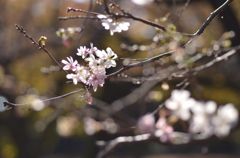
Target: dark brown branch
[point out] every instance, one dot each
(212, 16)
(130, 16)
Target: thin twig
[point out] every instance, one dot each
(78, 17)
(117, 6)
(183, 8)
(215, 60)
(83, 11)
(40, 47)
(109, 146)
(11, 105)
(126, 67)
(178, 138)
(212, 16)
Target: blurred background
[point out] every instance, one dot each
(27, 73)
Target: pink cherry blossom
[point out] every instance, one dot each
(146, 124)
(164, 130)
(88, 98)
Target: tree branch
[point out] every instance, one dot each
(212, 16)
(39, 46)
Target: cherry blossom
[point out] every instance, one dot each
(163, 130)
(141, 2)
(201, 119)
(70, 64)
(180, 103)
(93, 73)
(83, 51)
(113, 25)
(109, 57)
(146, 124)
(92, 61)
(83, 73)
(96, 80)
(227, 117)
(88, 97)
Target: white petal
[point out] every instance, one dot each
(210, 107)
(64, 62)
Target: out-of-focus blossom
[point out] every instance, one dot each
(91, 126)
(66, 125)
(38, 104)
(227, 117)
(109, 125)
(88, 97)
(201, 119)
(113, 25)
(141, 2)
(146, 124)
(70, 64)
(180, 103)
(163, 129)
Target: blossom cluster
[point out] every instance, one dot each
(204, 118)
(93, 73)
(113, 25)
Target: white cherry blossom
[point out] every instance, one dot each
(74, 77)
(80, 76)
(108, 56)
(96, 80)
(141, 2)
(226, 118)
(70, 64)
(201, 119)
(113, 25)
(82, 73)
(180, 103)
(83, 51)
(92, 61)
